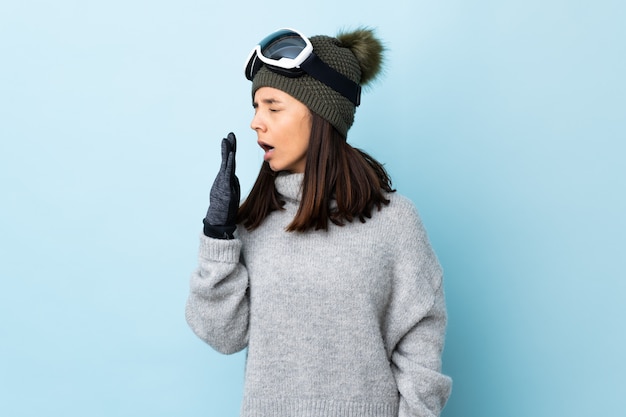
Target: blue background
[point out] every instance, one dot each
(503, 121)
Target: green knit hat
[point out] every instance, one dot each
(357, 54)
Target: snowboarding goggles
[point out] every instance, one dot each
(290, 53)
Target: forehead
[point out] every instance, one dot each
(265, 94)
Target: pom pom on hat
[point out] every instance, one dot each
(357, 54)
(367, 49)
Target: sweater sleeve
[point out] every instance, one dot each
(420, 315)
(217, 308)
(416, 363)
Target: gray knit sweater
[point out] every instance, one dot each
(347, 322)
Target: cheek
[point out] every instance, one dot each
(303, 140)
(305, 132)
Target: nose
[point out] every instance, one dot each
(257, 123)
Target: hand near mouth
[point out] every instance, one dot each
(225, 195)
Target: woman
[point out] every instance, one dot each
(324, 273)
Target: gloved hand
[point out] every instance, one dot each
(225, 193)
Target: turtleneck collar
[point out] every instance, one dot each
(289, 185)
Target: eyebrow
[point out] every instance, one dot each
(269, 101)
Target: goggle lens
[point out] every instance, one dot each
(282, 44)
(284, 48)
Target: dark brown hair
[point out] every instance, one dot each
(334, 171)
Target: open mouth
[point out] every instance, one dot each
(265, 146)
(268, 149)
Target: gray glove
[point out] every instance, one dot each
(224, 198)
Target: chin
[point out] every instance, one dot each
(274, 168)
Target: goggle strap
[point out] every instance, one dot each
(321, 71)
